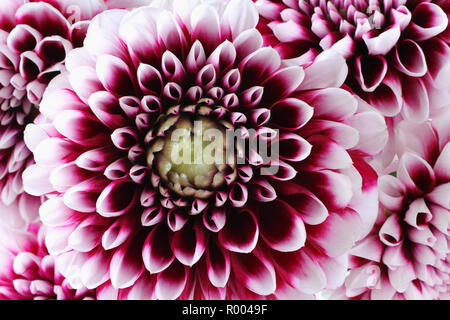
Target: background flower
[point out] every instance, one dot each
(27, 272)
(397, 51)
(35, 38)
(406, 256)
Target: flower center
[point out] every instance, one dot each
(189, 154)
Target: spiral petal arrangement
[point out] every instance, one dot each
(35, 38)
(397, 50)
(224, 149)
(406, 254)
(28, 271)
(157, 229)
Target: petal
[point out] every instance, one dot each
(156, 252)
(218, 264)
(237, 24)
(338, 233)
(301, 271)
(117, 198)
(171, 282)
(126, 265)
(428, 20)
(240, 233)
(44, 18)
(291, 114)
(188, 245)
(416, 173)
(283, 231)
(336, 71)
(255, 272)
(115, 75)
(409, 58)
(370, 71)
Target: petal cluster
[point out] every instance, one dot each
(132, 228)
(35, 38)
(406, 254)
(397, 51)
(27, 270)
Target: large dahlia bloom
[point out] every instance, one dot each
(124, 217)
(397, 50)
(407, 254)
(27, 271)
(35, 38)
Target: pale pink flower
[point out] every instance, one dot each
(406, 256)
(397, 50)
(27, 272)
(35, 38)
(124, 218)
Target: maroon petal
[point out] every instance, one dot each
(67, 175)
(311, 210)
(417, 175)
(30, 65)
(262, 190)
(217, 264)
(428, 20)
(214, 219)
(170, 283)
(391, 231)
(370, 71)
(156, 252)
(188, 245)
(54, 49)
(96, 160)
(115, 75)
(240, 233)
(338, 233)
(409, 58)
(118, 232)
(106, 108)
(281, 227)
(291, 114)
(258, 65)
(176, 219)
(117, 198)
(416, 106)
(149, 79)
(126, 265)
(301, 271)
(326, 154)
(387, 96)
(44, 18)
(324, 184)
(23, 38)
(82, 197)
(81, 128)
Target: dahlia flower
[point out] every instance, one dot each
(406, 256)
(27, 272)
(125, 217)
(397, 50)
(35, 38)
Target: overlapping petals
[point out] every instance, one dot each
(35, 38)
(397, 51)
(123, 219)
(27, 270)
(406, 254)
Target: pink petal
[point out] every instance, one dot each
(240, 233)
(156, 252)
(255, 272)
(171, 282)
(284, 231)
